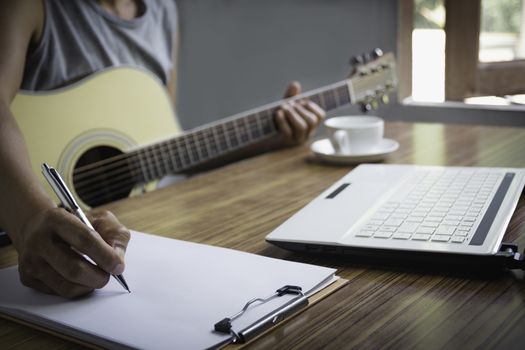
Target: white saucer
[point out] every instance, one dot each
(323, 150)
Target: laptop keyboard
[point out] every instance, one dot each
(444, 206)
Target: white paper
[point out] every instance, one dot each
(179, 290)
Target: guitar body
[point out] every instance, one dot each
(106, 114)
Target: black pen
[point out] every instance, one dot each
(68, 201)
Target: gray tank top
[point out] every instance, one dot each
(80, 38)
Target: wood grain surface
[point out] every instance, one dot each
(384, 304)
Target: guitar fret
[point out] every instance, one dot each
(152, 161)
(216, 142)
(195, 141)
(206, 149)
(174, 156)
(179, 148)
(216, 138)
(151, 175)
(164, 165)
(258, 123)
(329, 99)
(245, 136)
(227, 136)
(336, 97)
(212, 143)
(315, 99)
(131, 165)
(176, 145)
(233, 134)
(165, 159)
(252, 127)
(268, 126)
(321, 101)
(185, 153)
(135, 165)
(192, 149)
(159, 164)
(343, 95)
(144, 164)
(223, 142)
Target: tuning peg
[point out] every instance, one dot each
(367, 57)
(357, 60)
(366, 107)
(376, 53)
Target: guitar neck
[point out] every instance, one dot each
(211, 141)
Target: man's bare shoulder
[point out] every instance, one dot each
(25, 15)
(21, 25)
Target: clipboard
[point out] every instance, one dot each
(318, 282)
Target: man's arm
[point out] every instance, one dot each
(42, 233)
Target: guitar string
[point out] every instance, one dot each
(258, 123)
(157, 163)
(262, 125)
(192, 143)
(126, 185)
(221, 137)
(163, 163)
(115, 187)
(318, 93)
(162, 160)
(187, 138)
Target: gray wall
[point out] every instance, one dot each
(240, 54)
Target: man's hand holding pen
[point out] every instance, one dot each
(48, 263)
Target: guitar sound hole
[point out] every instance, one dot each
(101, 176)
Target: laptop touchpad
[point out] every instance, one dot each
(328, 219)
(352, 204)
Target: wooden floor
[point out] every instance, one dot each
(384, 304)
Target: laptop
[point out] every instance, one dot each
(409, 211)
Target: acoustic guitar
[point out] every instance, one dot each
(115, 132)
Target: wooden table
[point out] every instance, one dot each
(382, 305)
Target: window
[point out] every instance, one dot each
(463, 50)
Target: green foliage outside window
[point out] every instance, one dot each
(502, 16)
(497, 15)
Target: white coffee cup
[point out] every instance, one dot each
(355, 134)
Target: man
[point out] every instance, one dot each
(46, 44)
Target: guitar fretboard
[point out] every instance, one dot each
(214, 140)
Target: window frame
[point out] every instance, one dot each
(445, 112)
(465, 76)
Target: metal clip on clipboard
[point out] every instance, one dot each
(267, 321)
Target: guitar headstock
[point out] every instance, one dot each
(373, 77)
